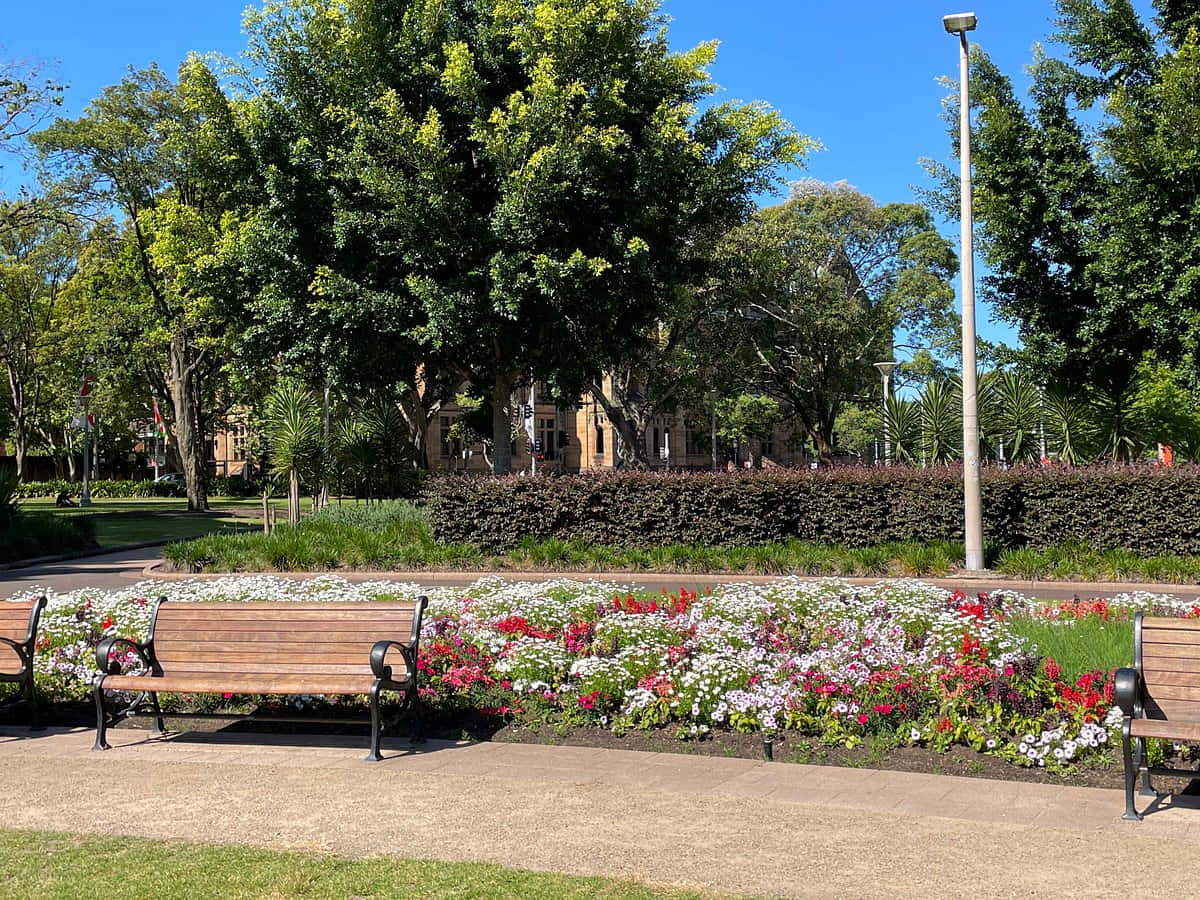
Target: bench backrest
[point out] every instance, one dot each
(18, 622)
(281, 638)
(1167, 657)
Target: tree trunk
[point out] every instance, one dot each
(630, 449)
(418, 417)
(293, 498)
(20, 448)
(502, 425)
(324, 501)
(189, 437)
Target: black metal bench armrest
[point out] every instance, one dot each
(1126, 683)
(379, 666)
(109, 666)
(21, 647)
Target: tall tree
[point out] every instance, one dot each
(37, 260)
(516, 182)
(172, 157)
(1087, 194)
(824, 281)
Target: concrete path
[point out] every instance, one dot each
(122, 568)
(107, 570)
(728, 825)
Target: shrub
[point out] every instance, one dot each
(102, 488)
(32, 534)
(1141, 509)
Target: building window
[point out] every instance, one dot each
(657, 444)
(448, 447)
(699, 442)
(599, 440)
(547, 434)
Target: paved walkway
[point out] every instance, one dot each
(120, 569)
(730, 825)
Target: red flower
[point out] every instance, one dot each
(863, 719)
(884, 709)
(944, 725)
(1051, 668)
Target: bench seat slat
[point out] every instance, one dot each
(1167, 708)
(262, 667)
(1168, 651)
(1163, 692)
(1180, 731)
(1155, 623)
(268, 635)
(175, 649)
(228, 683)
(1159, 676)
(1172, 664)
(290, 611)
(360, 655)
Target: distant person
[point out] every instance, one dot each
(63, 499)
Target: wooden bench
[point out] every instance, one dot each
(1160, 697)
(18, 636)
(266, 648)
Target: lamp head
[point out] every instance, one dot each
(887, 368)
(960, 22)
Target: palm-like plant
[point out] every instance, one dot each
(941, 421)
(293, 427)
(1069, 430)
(904, 429)
(1016, 412)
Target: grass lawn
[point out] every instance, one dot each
(117, 530)
(41, 864)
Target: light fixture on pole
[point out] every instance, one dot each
(960, 24)
(886, 369)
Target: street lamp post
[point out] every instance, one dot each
(886, 369)
(960, 24)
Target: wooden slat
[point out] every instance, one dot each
(1163, 692)
(176, 648)
(1165, 708)
(265, 668)
(1171, 663)
(246, 684)
(296, 611)
(1155, 677)
(15, 632)
(1177, 637)
(361, 654)
(1150, 623)
(322, 636)
(195, 628)
(362, 660)
(1171, 651)
(10, 662)
(1180, 731)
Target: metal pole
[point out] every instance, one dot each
(85, 496)
(887, 440)
(972, 499)
(714, 431)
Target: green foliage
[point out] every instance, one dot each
(100, 489)
(1144, 510)
(433, 165)
(1085, 195)
(28, 535)
(825, 280)
(1079, 644)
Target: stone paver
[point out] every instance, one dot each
(723, 824)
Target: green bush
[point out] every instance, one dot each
(100, 489)
(1140, 509)
(32, 534)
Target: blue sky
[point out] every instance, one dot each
(860, 77)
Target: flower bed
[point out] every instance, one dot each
(895, 663)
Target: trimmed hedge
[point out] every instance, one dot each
(34, 534)
(1146, 510)
(104, 487)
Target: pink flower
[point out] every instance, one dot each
(863, 719)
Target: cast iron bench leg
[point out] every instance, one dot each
(376, 726)
(34, 711)
(158, 716)
(1143, 759)
(1131, 813)
(101, 719)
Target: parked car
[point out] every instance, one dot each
(171, 478)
